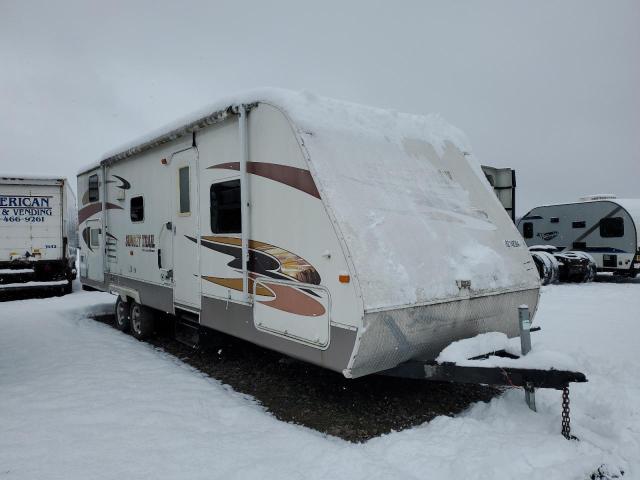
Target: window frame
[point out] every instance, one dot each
(91, 238)
(185, 213)
(217, 231)
(97, 188)
(621, 219)
(130, 209)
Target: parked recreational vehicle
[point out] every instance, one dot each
(38, 233)
(503, 181)
(604, 226)
(346, 236)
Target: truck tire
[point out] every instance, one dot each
(68, 288)
(142, 324)
(592, 269)
(547, 266)
(123, 315)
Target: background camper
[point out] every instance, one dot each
(603, 226)
(347, 236)
(38, 233)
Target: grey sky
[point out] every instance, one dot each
(549, 88)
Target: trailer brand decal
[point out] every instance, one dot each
(24, 208)
(546, 236)
(297, 178)
(269, 261)
(92, 209)
(147, 242)
(124, 184)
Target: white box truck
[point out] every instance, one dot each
(38, 233)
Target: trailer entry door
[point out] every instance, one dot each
(186, 233)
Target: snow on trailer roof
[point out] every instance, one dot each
(307, 109)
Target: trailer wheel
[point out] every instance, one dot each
(547, 266)
(141, 321)
(123, 314)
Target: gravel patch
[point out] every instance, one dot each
(293, 391)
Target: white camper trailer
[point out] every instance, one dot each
(604, 226)
(38, 233)
(346, 236)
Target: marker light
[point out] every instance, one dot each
(344, 278)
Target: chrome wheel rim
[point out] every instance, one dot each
(135, 318)
(121, 313)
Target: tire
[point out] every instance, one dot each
(547, 266)
(123, 315)
(68, 288)
(591, 268)
(142, 323)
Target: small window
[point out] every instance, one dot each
(94, 188)
(612, 227)
(95, 237)
(226, 213)
(183, 190)
(580, 224)
(136, 209)
(527, 230)
(554, 220)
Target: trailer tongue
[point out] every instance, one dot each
(498, 366)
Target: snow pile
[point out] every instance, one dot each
(80, 400)
(540, 357)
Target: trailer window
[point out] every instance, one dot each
(183, 190)
(554, 220)
(226, 213)
(527, 230)
(612, 227)
(94, 189)
(136, 209)
(95, 237)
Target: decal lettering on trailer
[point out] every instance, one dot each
(546, 236)
(146, 242)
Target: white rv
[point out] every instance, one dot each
(604, 226)
(38, 233)
(350, 237)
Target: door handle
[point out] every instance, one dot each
(159, 258)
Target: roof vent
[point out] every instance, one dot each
(598, 196)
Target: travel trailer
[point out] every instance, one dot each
(350, 237)
(38, 233)
(603, 226)
(503, 181)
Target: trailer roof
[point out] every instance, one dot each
(308, 111)
(41, 179)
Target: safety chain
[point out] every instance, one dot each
(566, 421)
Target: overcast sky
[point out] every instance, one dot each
(548, 88)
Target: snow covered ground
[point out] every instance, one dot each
(80, 400)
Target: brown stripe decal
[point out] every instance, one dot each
(295, 177)
(86, 212)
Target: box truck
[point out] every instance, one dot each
(38, 233)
